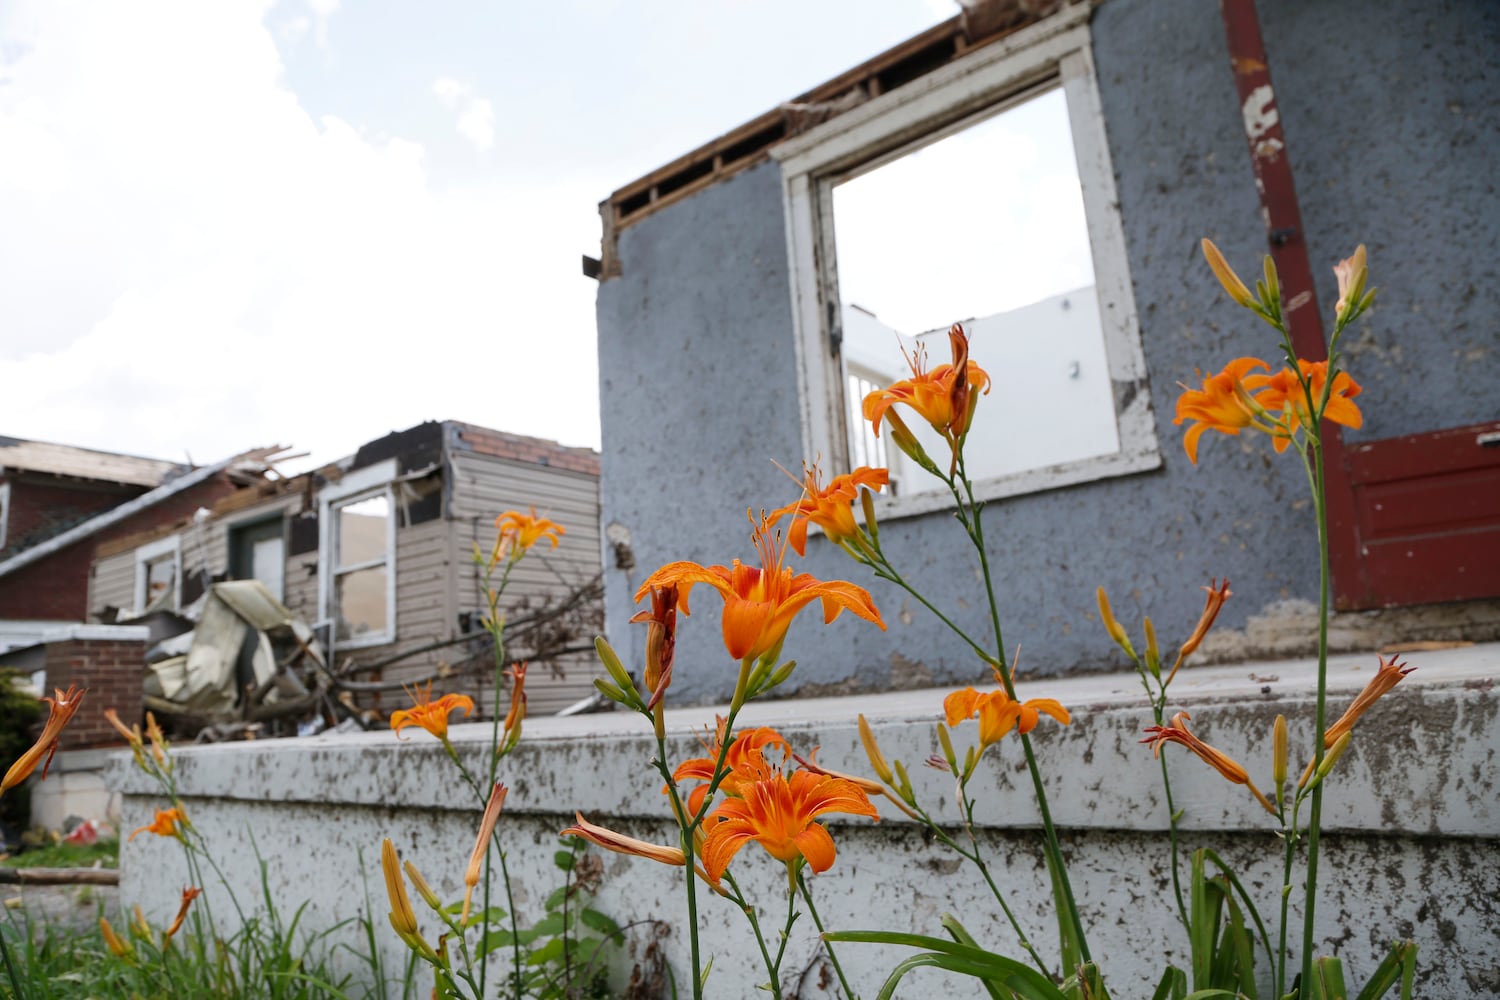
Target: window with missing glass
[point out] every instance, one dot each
(357, 558)
(158, 576)
(981, 194)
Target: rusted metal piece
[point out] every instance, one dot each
(59, 876)
(1271, 162)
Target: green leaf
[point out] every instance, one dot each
(549, 925)
(564, 860)
(1019, 978)
(1400, 964)
(957, 931)
(1173, 985)
(1328, 979)
(599, 922)
(555, 901)
(548, 952)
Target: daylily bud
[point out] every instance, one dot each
(1351, 274)
(947, 743)
(904, 439)
(1332, 756)
(616, 669)
(1153, 653)
(1273, 283)
(1279, 754)
(118, 948)
(423, 889)
(1231, 281)
(1217, 595)
(872, 750)
(1116, 632)
(621, 844)
(903, 785)
(867, 504)
(482, 845)
(517, 714)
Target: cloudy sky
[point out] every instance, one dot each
(239, 223)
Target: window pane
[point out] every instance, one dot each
(362, 531)
(985, 226)
(361, 601)
(161, 583)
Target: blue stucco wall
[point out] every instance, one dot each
(698, 365)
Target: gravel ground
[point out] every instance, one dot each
(72, 906)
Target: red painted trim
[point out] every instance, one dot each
(1278, 198)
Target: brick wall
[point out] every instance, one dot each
(112, 671)
(40, 505)
(55, 587)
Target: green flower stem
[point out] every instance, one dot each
(738, 898)
(1054, 847)
(1166, 784)
(827, 945)
(1317, 473)
(497, 636)
(515, 931)
(974, 857)
(685, 829)
(1289, 836)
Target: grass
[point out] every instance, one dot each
(103, 854)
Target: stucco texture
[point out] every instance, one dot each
(699, 378)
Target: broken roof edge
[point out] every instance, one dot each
(523, 448)
(981, 23)
(55, 459)
(115, 515)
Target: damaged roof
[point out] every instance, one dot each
(979, 23)
(84, 463)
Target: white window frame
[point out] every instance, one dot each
(1056, 51)
(4, 511)
(150, 553)
(359, 485)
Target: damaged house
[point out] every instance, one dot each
(1044, 172)
(287, 603)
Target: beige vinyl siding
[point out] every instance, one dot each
(301, 597)
(112, 584)
(482, 488)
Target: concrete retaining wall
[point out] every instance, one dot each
(1412, 822)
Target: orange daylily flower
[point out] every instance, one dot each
(60, 711)
(1223, 404)
(998, 714)
(1226, 765)
(522, 531)
(621, 844)
(166, 823)
(944, 397)
(830, 507)
(1282, 394)
(430, 715)
(760, 602)
(661, 641)
(779, 812)
(744, 762)
(188, 895)
(1390, 674)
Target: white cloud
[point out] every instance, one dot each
(476, 115)
(192, 262)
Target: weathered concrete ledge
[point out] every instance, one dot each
(1413, 819)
